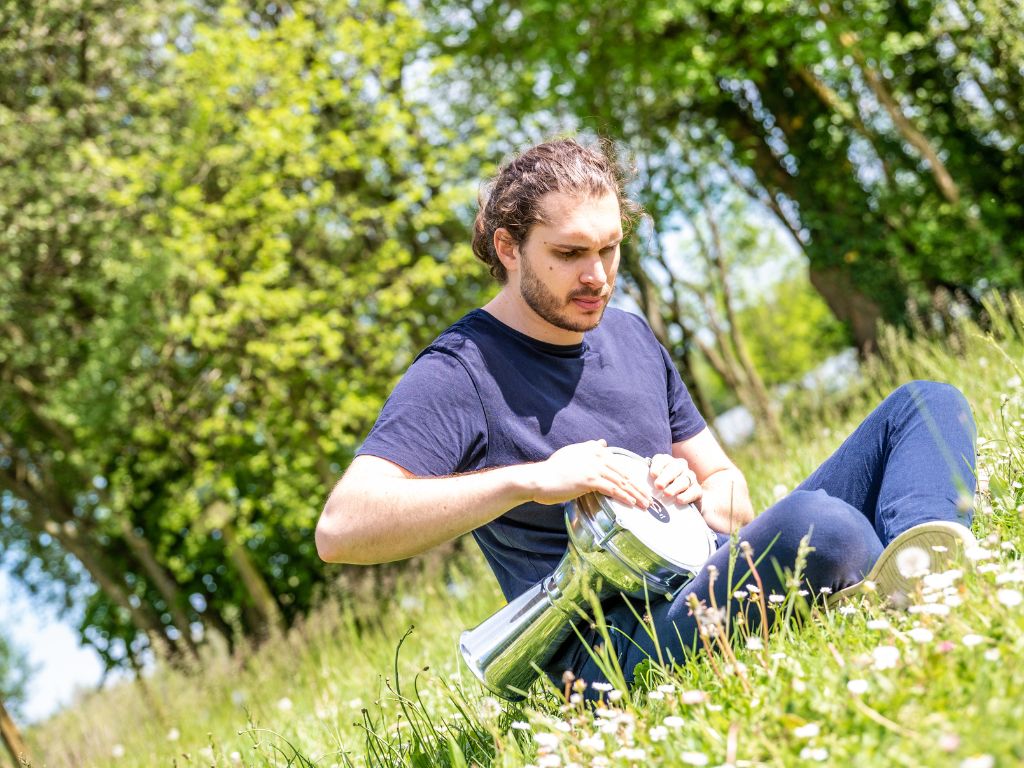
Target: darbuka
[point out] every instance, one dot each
(613, 548)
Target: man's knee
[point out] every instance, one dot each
(934, 394)
(839, 541)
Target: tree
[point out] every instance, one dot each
(275, 218)
(882, 134)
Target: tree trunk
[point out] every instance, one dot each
(143, 552)
(12, 738)
(849, 305)
(264, 608)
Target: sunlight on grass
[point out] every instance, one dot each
(938, 684)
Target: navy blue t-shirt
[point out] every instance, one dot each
(485, 395)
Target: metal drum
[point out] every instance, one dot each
(613, 548)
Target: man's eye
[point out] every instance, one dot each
(568, 254)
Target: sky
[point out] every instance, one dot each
(61, 665)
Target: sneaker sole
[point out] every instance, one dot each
(950, 538)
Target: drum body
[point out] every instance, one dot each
(613, 549)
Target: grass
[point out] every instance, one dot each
(373, 678)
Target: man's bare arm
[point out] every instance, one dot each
(725, 499)
(380, 512)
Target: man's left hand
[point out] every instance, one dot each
(674, 478)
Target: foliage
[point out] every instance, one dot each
(862, 685)
(791, 331)
(258, 226)
(14, 673)
(882, 134)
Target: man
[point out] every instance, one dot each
(510, 413)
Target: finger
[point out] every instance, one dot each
(681, 483)
(690, 495)
(672, 474)
(625, 481)
(615, 491)
(658, 463)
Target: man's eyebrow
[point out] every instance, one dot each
(575, 247)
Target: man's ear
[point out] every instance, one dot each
(506, 248)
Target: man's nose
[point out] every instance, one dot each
(594, 272)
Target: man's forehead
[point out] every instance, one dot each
(583, 217)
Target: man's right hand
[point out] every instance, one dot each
(591, 466)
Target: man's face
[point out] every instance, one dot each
(568, 265)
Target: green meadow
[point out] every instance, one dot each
(373, 676)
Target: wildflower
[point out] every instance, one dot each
(992, 654)
(940, 581)
(674, 721)
(932, 609)
(739, 594)
(913, 562)
(355, 703)
(972, 640)
(978, 553)
(667, 688)
(846, 609)
(117, 751)
(694, 758)
(798, 685)
(1011, 598)
(945, 646)
(410, 603)
(285, 704)
(603, 687)
(776, 599)
(949, 742)
(953, 601)
(818, 754)
(519, 725)
(655, 695)
(631, 753)
(594, 742)
(779, 491)
(825, 590)
(885, 656)
(1010, 577)
(614, 695)
(548, 761)
(576, 698)
(978, 761)
(857, 687)
(807, 731)
(657, 733)
(546, 740)
(599, 762)
(489, 707)
(920, 635)
(755, 643)
(235, 757)
(173, 735)
(879, 624)
(693, 697)
(238, 697)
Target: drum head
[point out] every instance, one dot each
(675, 532)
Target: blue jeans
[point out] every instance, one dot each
(910, 461)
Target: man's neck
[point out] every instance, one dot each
(517, 314)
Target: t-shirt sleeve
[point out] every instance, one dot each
(683, 416)
(433, 423)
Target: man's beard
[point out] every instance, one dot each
(555, 310)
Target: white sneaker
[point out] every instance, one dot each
(930, 547)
